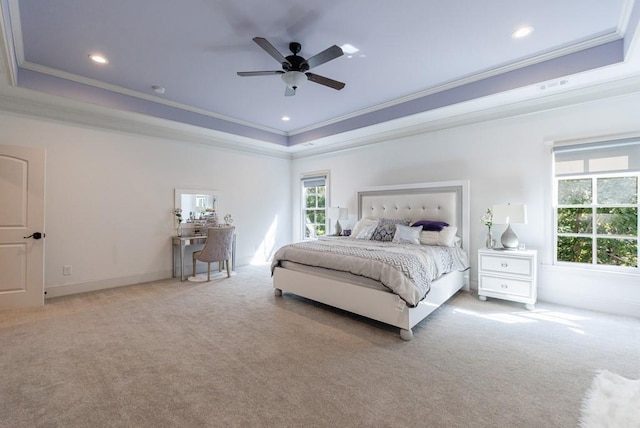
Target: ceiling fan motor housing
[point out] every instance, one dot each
(295, 63)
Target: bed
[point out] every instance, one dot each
(441, 201)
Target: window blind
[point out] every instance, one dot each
(314, 181)
(605, 157)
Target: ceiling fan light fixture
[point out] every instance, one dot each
(294, 79)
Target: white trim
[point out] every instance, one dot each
(55, 108)
(625, 17)
(140, 95)
(8, 48)
(83, 287)
(593, 139)
(326, 174)
(593, 265)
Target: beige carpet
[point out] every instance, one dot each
(231, 354)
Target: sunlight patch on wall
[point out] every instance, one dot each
(265, 250)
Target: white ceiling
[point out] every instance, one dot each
(414, 56)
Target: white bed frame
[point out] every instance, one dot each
(444, 201)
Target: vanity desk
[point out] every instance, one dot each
(181, 242)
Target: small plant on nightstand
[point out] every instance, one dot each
(487, 220)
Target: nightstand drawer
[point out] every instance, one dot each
(511, 265)
(505, 285)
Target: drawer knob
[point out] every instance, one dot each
(504, 264)
(504, 286)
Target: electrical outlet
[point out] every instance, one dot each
(67, 270)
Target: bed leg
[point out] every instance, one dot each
(406, 334)
(277, 292)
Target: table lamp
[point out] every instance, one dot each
(337, 214)
(508, 214)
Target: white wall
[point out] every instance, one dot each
(110, 200)
(109, 195)
(505, 160)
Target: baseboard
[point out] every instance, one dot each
(83, 287)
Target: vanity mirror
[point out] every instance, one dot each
(199, 206)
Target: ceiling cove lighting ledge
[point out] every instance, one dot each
(496, 107)
(65, 110)
(81, 92)
(46, 71)
(589, 59)
(607, 38)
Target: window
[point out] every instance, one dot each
(596, 203)
(314, 202)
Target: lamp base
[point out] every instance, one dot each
(339, 229)
(509, 239)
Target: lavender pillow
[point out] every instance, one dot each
(431, 225)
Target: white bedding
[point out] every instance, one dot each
(405, 269)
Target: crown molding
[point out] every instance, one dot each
(468, 113)
(50, 107)
(496, 71)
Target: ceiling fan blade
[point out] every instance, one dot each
(325, 81)
(326, 55)
(271, 50)
(289, 92)
(259, 73)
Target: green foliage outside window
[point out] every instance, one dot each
(618, 252)
(575, 249)
(315, 204)
(575, 220)
(598, 214)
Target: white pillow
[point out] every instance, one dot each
(407, 234)
(446, 237)
(364, 228)
(366, 232)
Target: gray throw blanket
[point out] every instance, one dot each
(405, 269)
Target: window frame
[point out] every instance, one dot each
(594, 235)
(303, 209)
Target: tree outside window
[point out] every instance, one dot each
(314, 199)
(597, 220)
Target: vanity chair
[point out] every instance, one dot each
(217, 248)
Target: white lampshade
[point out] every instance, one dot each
(337, 213)
(510, 214)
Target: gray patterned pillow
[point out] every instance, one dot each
(387, 228)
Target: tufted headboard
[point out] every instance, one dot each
(443, 201)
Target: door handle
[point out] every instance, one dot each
(35, 235)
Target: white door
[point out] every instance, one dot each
(21, 226)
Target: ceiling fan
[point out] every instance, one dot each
(295, 68)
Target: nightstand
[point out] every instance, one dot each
(508, 275)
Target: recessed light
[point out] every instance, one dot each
(286, 118)
(100, 59)
(349, 49)
(522, 32)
